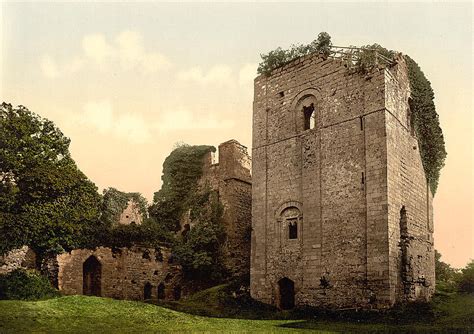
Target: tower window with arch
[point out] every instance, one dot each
(291, 218)
(306, 109)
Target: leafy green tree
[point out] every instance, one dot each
(199, 250)
(466, 278)
(446, 276)
(46, 202)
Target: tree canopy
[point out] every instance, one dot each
(46, 202)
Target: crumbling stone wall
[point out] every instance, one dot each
(131, 214)
(339, 184)
(124, 272)
(230, 177)
(23, 257)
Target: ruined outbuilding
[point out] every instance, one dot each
(341, 210)
(136, 273)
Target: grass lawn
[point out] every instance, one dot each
(80, 314)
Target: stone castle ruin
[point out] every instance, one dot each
(341, 210)
(141, 273)
(337, 212)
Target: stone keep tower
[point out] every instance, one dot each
(341, 209)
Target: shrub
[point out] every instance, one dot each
(25, 285)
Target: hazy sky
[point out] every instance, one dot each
(126, 81)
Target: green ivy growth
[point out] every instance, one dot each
(115, 201)
(426, 122)
(199, 250)
(181, 171)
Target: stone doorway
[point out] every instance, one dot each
(286, 294)
(161, 291)
(91, 277)
(147, 291)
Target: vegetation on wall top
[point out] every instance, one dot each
(279, 57)
(425, 119)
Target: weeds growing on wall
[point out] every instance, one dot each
(279, 57)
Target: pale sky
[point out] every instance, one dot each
(126, 81)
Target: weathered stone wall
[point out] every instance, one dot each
(330, 179)
(411, 244)
(131, 214)
(23, 257)
(231, 178)
(124, 272)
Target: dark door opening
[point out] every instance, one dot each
(287, 294)
(91, 277)
(147, 291)
(161, 291)
(177, 292)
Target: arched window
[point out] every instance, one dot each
(309, 116)
(292, 229)
(290, 218)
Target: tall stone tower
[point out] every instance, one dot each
(341, 209)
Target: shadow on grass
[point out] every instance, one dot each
(445, 314)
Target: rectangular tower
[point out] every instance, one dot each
(341, 210)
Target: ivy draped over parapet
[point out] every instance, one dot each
(365, 59)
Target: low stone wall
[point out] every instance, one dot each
(23, 257)
(124, 273)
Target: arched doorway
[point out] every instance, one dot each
(91, 277)
(177, 292)
(161, 291)
(147, 291)
(286, 289)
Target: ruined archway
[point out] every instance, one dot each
(286, 289)
(147, 291)
(161, 291)
(91, 277)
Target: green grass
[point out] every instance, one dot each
(80, 314)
